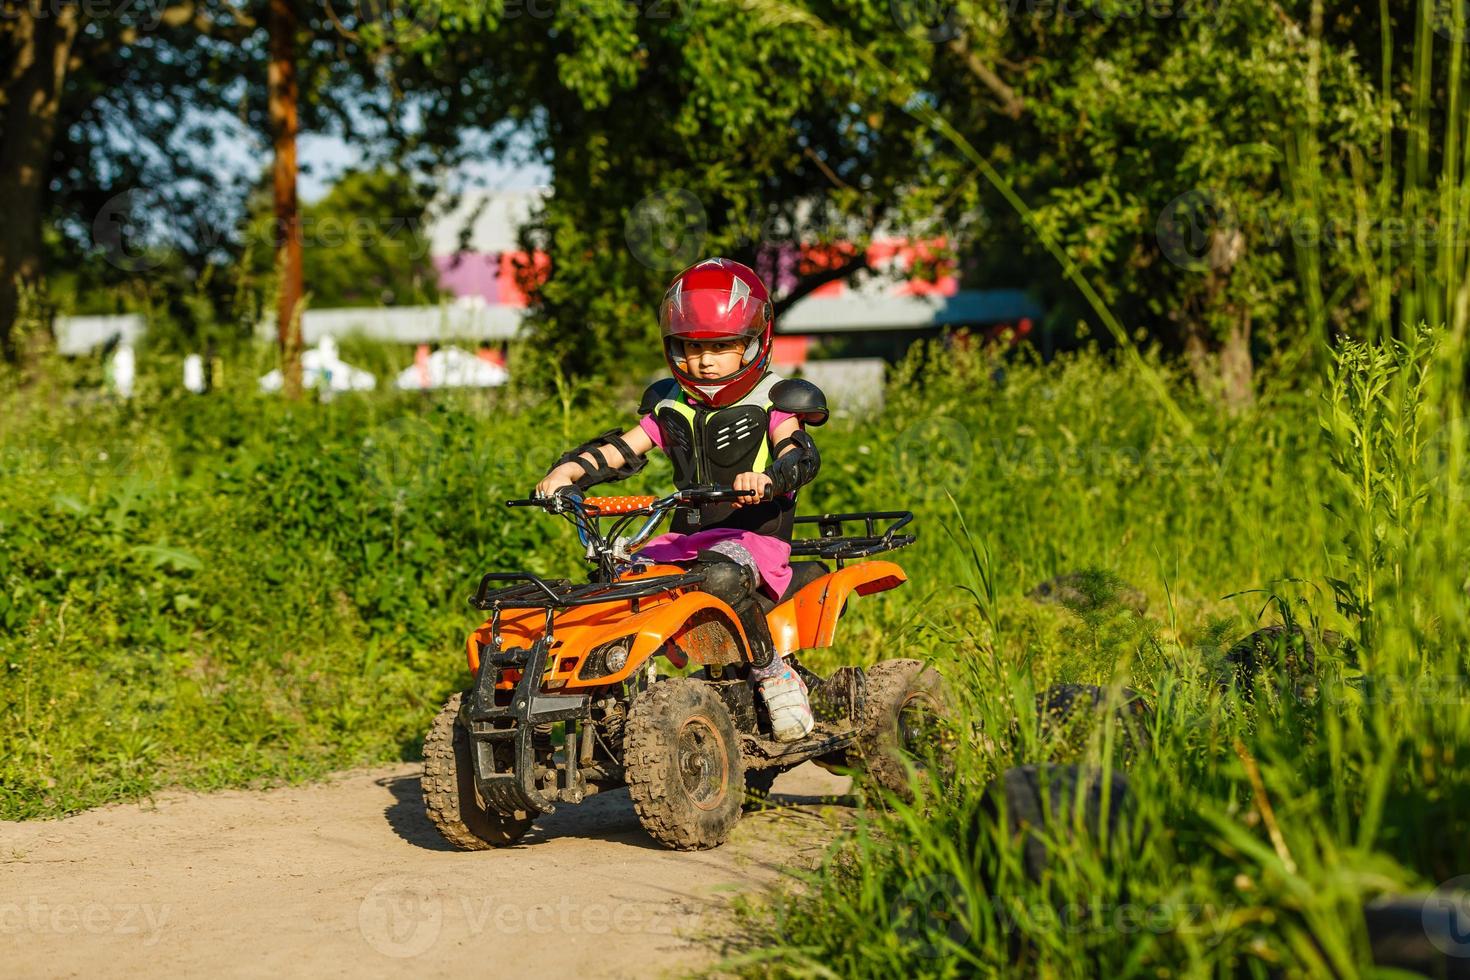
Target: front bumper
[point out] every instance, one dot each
(496, 719)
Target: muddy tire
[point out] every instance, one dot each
(907, 723)
(681, 756)
(450, 799)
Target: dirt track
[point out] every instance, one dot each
(347, 877)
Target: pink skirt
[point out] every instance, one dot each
(772, 555)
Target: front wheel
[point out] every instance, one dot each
(907, 725)
(450, 800)
(681, 756)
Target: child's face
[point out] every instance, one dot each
(710, 359)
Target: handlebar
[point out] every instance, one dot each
(610, 546)
(572, 498)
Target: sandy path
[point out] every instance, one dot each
(348, 878)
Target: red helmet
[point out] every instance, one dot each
(717, 300)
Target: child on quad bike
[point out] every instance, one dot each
(723, 418)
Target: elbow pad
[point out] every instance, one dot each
(600, 471)
(795, 469)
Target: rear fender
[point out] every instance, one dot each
(809, 619)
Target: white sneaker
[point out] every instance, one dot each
(791, 712)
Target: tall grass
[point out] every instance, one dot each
(1250, 830)
(1256, 819)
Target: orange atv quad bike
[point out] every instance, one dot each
(582, 658)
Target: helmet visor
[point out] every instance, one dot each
(712, 314)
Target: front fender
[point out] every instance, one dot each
(702, 627)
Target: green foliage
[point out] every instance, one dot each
(1253, 830)
(272, 591)
(228, 590)
(676, 131)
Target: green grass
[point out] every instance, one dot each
(228, 591)
(208, 592)
(1254, 829)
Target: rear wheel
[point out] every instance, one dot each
(450, 799)
(907, 725)
(681, 756)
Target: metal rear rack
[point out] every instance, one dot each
(833, 544)
(534, 592)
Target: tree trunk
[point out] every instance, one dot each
(31, 102)
(1237, 376)
(283, 102)
(1226, 374)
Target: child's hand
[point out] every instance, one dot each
(758, 482)
(563, 476)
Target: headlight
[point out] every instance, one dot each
(607, 658)
(616, 656)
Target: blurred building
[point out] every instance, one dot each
(843, 332)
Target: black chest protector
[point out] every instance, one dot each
(714, 446)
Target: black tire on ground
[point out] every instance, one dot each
(1072, 710)
(450, 799)
(1423, 934)
(758, 784)
(1039, 801)
(906, 724)
(1279, 655)
(681, 756)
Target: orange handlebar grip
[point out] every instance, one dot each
(602, 506)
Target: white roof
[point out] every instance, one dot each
(451, 367)
(322, 368)
(494, 217)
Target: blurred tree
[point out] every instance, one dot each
(114, 118)
(365, 242)
(675, 131)
(1155, 143)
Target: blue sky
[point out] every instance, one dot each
(329, 156)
